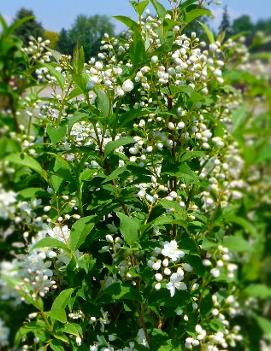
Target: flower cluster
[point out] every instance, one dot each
(165, 261)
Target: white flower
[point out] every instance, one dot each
(7, 201)
(119, 91)
(141, 338)
(171, 126)
(167, 271)
(187, 267)
(157, 286)
(171, 250)
(215, 272)
(4, 334)
(176, 283)
(109, 238)
(128, 85)
(158, 277)
(154, 59)
(180, 125)
(60, 233)
(156, 265)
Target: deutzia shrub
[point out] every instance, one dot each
(135, 191)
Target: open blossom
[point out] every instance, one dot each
(176, 283)
(60, 233)
(171, 250)
(7, 201)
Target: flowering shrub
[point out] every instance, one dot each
(135, 198)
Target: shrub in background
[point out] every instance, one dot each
(135, 199)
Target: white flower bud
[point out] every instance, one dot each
(154, 59)
(158, 277)
(128, 85)
(171, 126)
(109, 238)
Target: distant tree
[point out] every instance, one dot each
(31, 27)
(53, 37)
(243, 24)
(264, 26)
(64, 44)
(225, 25)
(88, 32)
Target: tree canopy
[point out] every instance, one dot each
(225, 25)
(87, 32)
(29, 28)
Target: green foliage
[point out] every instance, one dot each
(31, 28)
(53, 37)
(86, 32)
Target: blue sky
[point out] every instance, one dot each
(55, 14)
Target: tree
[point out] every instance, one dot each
(264, 26)
(31, 27)
(53, 37)
(225, 25)
(242, 24)
(89, 31)
(64, 44)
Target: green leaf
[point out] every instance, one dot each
(138, 53)
(128, 22)
(86, 174)
(127, 117)
(115, 174)
(184, 5)
(79, 232)
(208, 32)
(56, 182)
(159, 8)
(239, 116)
(103, 102)
(57, 311)
(174, 218)
(264, 324)
(118, 291)
(78, 60)
(258, 290)
(129, 228)
(186, 174)
(29, 193)
(37, 328)
(167, 204)
(194, 14)
(246, 225)
(56, 74)
(112, 145)
(62, 167)
(50, 242)
(73, 329)
(237, 244)
(140, 6)
(27, 161)
(189, 155)
(56, 134)
(56, 346)
(18, 24)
